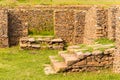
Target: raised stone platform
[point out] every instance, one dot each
(78, 61)
(41, 43)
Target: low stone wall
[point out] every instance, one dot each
(92, 62)
(41, 43)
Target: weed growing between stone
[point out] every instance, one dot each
(104, 41)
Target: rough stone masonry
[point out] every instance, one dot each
(96, 24)
(74, 25)
(3, 28)
(116, 66)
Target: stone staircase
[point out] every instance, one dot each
(74, 60)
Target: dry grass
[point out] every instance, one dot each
(57, 2)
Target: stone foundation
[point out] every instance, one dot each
(41, 43)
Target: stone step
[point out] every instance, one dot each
(57, 40)
(82, 55)
(57, 65)
(75, 50)
(49, 70)
(69, 58)
(73, 47)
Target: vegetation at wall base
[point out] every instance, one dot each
(104, 41)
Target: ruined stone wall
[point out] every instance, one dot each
(92, 62)
(69, 25)
(22, 22)
(116, 66)
(112, 22)
(96, 24)
(34, 20)
(40, 21)
(17, 26)
(4, 28)
(64, 24)
(90, 26)
(74, 24)
(41, 43)
(55, 7)
(79, 26)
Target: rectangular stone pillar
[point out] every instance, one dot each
(64, 25)
(96, 24)
(79, 26)
(4, 28)
(112, 22)
(116, 63)
(18, 25)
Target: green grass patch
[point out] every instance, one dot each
(88, 49)
(59, 58)
(16, 64)
(41, 33)
(101, 49)
(82, 45)
(104, 41)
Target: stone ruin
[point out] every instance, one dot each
(77, 61)
(71, 24)
(41, 43)
(68, 23)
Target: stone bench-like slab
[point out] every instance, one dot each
(41, 43)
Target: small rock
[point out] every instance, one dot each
(87, 54)
(39, 39)
(57, 40)
(109, 51)
(80, 55)
(49, 70)
(97, 52)
(31, 39)
(35, 46)
(74, 47)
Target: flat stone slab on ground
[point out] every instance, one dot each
(57, 40)
(49, 70)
